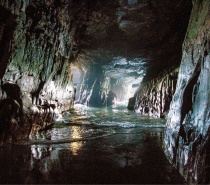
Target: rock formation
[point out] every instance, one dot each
(129, 40)
(187, 135)
(35, 79)
(153, 98)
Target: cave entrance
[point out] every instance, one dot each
(123, 91)
(76, 80)
(126, 75)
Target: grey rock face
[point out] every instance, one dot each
(36, 85)
(187, 135)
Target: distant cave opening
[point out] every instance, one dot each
(126, 75)
(110, 84)
(123, 91)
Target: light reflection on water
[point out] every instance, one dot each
(75, 146)
(85, 123)
(92, 145)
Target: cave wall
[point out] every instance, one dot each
(187, 135)
(36, 39)
(153, 98)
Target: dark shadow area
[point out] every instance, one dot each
(7, 28)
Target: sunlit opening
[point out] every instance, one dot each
(76, 76)
(76, 80)
(132, 89)
(127, 75)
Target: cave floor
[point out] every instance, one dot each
(98, 146)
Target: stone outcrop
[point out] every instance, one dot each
(36, 40)
(187, 135)
(92, 92)
(153, 98)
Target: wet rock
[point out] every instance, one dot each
(20, 118)
(131, 103)
(13, 124)
(35, 37)
(111, 98)
(187, 135)
(153, 98)
(95, 87)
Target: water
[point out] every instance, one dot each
(96, 146)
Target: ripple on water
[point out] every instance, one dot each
(114, 147)
(85, 123)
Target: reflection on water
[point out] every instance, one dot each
(92, 145)
(40, 151)
(75, 146)
(75, 132)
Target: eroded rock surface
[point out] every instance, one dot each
(153, 98)
(35, 80)
(187, 136)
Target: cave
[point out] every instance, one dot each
(104, 92)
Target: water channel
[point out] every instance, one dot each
(92, 146)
